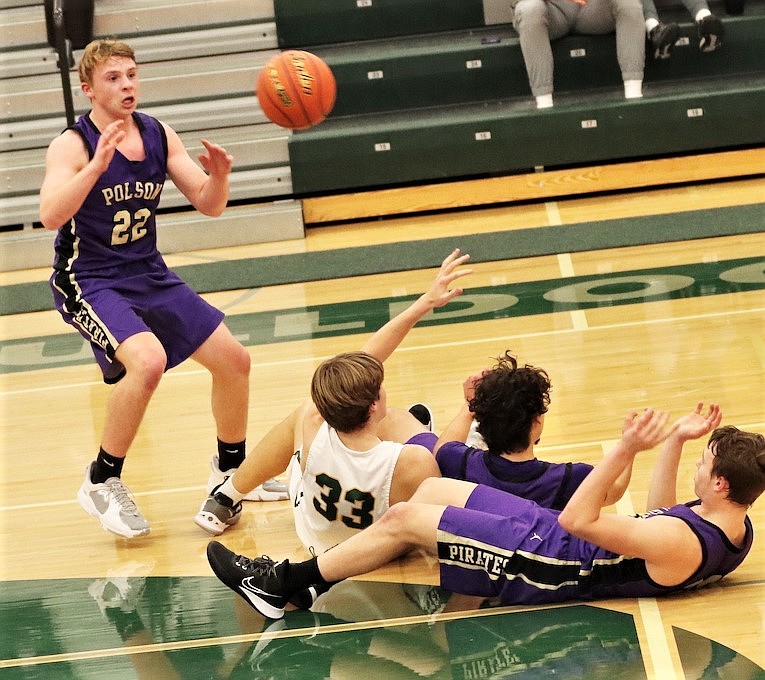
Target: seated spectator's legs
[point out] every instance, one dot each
(709, 27)
(662, 37)
(626, 18)
(538, 22)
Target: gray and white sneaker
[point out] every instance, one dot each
(218, 513)
(112, 504)
(270, 490)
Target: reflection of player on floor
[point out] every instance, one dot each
(498, 545)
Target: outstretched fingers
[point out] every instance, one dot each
(449, 272)
(647, 429)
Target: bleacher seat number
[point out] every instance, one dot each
(482, 136)
(695, 113)
(382, 146)
(590, 123)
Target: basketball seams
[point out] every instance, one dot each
(296, 89)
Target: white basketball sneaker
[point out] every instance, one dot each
(112, 504)
(270, 490)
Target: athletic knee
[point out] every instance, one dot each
(240, 360)
(149, 366)
(145, 361)
(396, 517)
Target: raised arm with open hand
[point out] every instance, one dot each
(385, 340)
(663, 490)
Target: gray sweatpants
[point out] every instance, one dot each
(540, 21)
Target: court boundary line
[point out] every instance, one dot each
(439, 345)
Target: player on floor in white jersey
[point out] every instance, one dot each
(347, 465)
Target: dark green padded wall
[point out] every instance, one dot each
(301, 23)
(429, 145)
(487, 64)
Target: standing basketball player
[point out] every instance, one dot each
(102, 185)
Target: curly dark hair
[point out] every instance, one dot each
(507, 400)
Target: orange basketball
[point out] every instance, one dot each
(296, 89)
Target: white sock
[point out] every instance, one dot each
(228, 489)
(701, 14)
(544, 101)
(633, 89)
(650, 24)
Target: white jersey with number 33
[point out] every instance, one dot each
(341, 490)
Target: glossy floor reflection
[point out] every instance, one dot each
(194, 628)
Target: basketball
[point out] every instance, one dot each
(296, 89)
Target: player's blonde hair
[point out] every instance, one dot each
(99, 51)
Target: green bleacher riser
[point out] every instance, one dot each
(495, 138)
(487, 64)
(301, 23)
(431, 71)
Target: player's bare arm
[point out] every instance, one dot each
(415, 463)
(70, 175)
(208, 193)
(662, 492)
(385, 340)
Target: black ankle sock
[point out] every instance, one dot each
(296, 576)
(105, 466)
(230, 455)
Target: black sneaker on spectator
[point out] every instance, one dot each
(663, 38)
(711, 31)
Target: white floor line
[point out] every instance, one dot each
(502, 339)
(658, 656)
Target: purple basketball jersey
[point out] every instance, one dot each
(510, 548)
(109, 280)
(549, 484)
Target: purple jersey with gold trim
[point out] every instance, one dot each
(503, 546)
(116, 222)
(109, 280)
(549, 484)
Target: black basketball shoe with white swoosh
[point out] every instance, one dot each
(255, 579)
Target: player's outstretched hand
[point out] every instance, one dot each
(439, 293)
(108, 142)
(216, 160)
(696, 424)
(643, 431)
